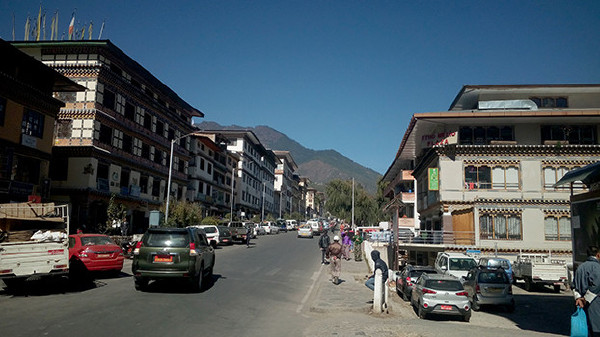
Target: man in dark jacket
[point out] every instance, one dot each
(324, 244)
(379, 264)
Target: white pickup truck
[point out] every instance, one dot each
(34, 242)
(540, 269)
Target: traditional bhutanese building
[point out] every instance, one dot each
(115, 137)
(27, 116)
(485, 169)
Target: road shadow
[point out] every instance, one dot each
(180, 286)
(53, 286)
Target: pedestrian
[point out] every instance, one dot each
(379, 264)
(334, 251)
(346, 244)
(586, 287)
(249, 231)
(124, 227)
(324, 242)
(358, 246)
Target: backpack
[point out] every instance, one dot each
(324, 241)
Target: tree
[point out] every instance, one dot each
(115, 212)
(183, 213)
(210, 220)
(339, 203)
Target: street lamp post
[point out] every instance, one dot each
(170, 172)
(232, 182)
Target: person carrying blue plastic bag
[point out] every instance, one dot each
(586, 288)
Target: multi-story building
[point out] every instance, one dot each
(211, 172)
(114, 138)
(286, 187)
(27, 116)
(255, 174)
(485, 170)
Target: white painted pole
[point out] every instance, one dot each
(378, 292)
(169, 181)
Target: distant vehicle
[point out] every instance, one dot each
(305, 231)
(173, 253)
(281, 225)
(540, 269)
(440, 294)
(224, 235)
(94, 252)
(498, 263)
(291, 224)
(316, 226)
(212, 234)
(489, 286)
(455, 264)
(238, 231)
(258, 230)
(408, 277)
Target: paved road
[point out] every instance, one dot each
(257, 291)
(270, 289)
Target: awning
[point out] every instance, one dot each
(587, 175)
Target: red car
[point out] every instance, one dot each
(97, 252)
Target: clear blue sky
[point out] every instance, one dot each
(343, 75)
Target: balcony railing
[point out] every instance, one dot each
(428, 237)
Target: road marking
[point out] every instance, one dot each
(314, 278)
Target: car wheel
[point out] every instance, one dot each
(557, 288)
(467, 318)
(140, 284)
(511, 307)
(421, 312)
(528, 284)
(198, 281)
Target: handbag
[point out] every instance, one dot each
(579, 326)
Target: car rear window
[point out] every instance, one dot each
(449, 285)
(493, 277)
(417, 273)
(96, 240)
(166, 239)
(462, 264)
(209, 230)
(498, 263)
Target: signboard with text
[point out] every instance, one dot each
(434, 182)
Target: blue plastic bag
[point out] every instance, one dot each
(579, 326)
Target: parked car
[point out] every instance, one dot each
(291, 224)
(316, 226)
(238, 231)
(252, 226)
(212, 234)
(266, 227)
(258, 229)
(440, 294)
(489, 286)
(498, 263)
(305, 231)
(270, 227)
(281, 225)
(94, 252)
(455, 264)
(408, 277)
(224, 236)
(173, 253)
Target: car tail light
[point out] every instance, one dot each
(193, 251)
(61, 266)
(428, 291)
(466, 307)
(425, 305)
(462, 293)
(408, 281)
(138, 245)
(82, 253)
(477, 289)
(5, 271)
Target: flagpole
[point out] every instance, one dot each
(13, 27)
(101, 29)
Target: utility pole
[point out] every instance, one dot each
(353, 204)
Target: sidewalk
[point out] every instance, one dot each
(351, 294)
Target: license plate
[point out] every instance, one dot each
(446, 307)
(103, 256)
(166, 258)
(494, 290)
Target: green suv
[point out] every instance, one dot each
(173, 253)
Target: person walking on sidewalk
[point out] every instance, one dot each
(346, 244)
(249, 232)
(334, 251)
(324, 242)
(357, 239)
(379, 264)
(586, 287)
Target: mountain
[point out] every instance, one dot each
(320, 166)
